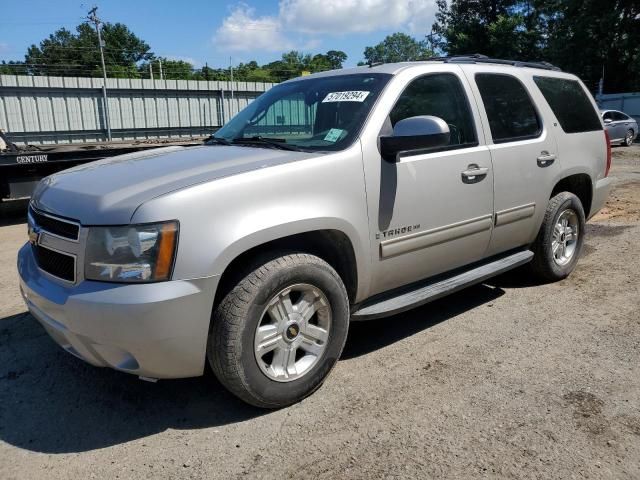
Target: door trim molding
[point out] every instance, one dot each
(510, 215)
(435, 236)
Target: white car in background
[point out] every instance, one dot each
(621, 127)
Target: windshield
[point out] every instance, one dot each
(323, 113)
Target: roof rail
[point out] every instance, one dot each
(479, 58)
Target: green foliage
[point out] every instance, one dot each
(13, 68)
(65, 53)
(497, 28)
(77, 54)
(586, 35)
(579, 36)
(398, 47)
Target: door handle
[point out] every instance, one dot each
(474, 173)
(546, 159)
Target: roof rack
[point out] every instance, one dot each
(479, 58)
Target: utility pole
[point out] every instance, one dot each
(231, 105)
(93, 17)
(151, 70)
(160, 63)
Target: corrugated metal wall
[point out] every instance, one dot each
(71, 109)
(628, 103)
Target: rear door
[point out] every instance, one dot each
(622, 124)
(523, 152)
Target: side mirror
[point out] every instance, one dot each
(607, 120)
(415, 133)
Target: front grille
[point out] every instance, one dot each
(59, 227)
(57, 264)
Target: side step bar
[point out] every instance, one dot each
(423, 293)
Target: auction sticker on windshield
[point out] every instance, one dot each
(352, 96)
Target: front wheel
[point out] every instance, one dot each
(559, 242)
(278, 333)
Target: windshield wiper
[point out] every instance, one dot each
(217, 141)
(280, 143)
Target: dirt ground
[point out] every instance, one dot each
(504, 380)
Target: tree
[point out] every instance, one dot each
(497, 28)
(579, 36)
(67, 54)
(398, 47)
(584, 38)
(336, 58)
(13, 68)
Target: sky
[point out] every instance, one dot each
(214, 31)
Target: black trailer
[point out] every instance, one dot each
(21, 168)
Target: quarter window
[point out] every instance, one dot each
(440, 95)
(570, 104)
(509, 108)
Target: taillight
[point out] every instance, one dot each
(608, 141)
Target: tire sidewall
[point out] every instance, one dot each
(284, 393)
(626, 137)
(573, 203)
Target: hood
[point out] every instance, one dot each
(107, 192)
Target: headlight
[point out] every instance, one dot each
(135, 253)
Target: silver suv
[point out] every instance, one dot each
(342, 196)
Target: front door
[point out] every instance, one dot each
(433, 212)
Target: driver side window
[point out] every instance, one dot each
(440, 95)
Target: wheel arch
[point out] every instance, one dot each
(581, 185)
(334, 246)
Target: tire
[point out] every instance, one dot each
(250, 317)
(628, 138)
(547, 265)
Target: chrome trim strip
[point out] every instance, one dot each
(75, 265)
(515, 214)
(436, 236)
(57, 219)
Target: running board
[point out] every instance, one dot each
(434, 289)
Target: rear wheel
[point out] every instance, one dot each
(278, 333)
(628, 139)
(559, 242)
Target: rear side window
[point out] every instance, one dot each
(570, 104)
(619, 117)
(509, 108)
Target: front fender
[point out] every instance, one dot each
(220, 220)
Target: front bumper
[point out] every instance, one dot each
(600, 195)
(156, 330)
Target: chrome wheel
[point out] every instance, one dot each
(293, 332)
(628, 140)
(565, 237)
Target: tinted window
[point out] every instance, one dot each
(511, 113)
(608, 116)
(570, 104)
(440, 95)
(618, 116)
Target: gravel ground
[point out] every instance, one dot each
(503, 380)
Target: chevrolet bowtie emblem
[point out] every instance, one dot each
(34, 234)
